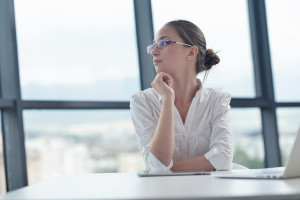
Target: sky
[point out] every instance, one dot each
(284, 30)
(65, 48)
(86, 50)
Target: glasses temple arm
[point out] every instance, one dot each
(184, 44)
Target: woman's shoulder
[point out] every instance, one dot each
(214, 95)
(150, 92)
(216, 92)
(146, 95)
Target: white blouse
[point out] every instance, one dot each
(206, 130)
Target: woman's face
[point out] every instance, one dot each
(171, 58)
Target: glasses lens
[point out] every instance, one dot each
(150, 48)
(161, 44)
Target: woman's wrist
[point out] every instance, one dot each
(168, 99)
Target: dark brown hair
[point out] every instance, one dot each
(191, 34)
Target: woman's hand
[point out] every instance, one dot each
(162, 84)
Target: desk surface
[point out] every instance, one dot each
(130, 186)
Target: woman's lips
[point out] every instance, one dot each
(156, 61)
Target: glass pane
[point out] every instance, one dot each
(2, 167)
(248, 140)
(63, 142)
(288, 126)
(226, 30)
(77, 49)
(283, 17)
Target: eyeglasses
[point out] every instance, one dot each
(162, 43)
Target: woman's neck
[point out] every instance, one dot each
(185, 90)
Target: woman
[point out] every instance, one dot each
(181, 125)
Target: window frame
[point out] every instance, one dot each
(12, 105)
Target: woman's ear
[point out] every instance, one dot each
(193, 52)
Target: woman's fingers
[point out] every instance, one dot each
(167, 79)
(162, 84)
(162, 78)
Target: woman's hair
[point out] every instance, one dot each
(191, 34)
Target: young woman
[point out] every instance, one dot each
(181, 125)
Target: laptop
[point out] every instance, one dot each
(146, 173)
(292, 169)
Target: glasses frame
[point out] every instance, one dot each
(162, 43)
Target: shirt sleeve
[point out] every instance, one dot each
(220, 154)
(145, 126)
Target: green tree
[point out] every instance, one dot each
(241, 157)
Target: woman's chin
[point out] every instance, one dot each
(159, 69)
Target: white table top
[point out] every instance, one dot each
(130, 186)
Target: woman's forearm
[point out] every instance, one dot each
(199, 163)
(162, 145)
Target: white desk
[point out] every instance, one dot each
(130, 186)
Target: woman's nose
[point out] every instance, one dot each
(155, 51)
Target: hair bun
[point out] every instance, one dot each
(210, 59)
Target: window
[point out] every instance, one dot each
(226, 30)
(288, 125)
(248, 141)
(60, 142)
(77, 49)
(284, 42)
(2, 167)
